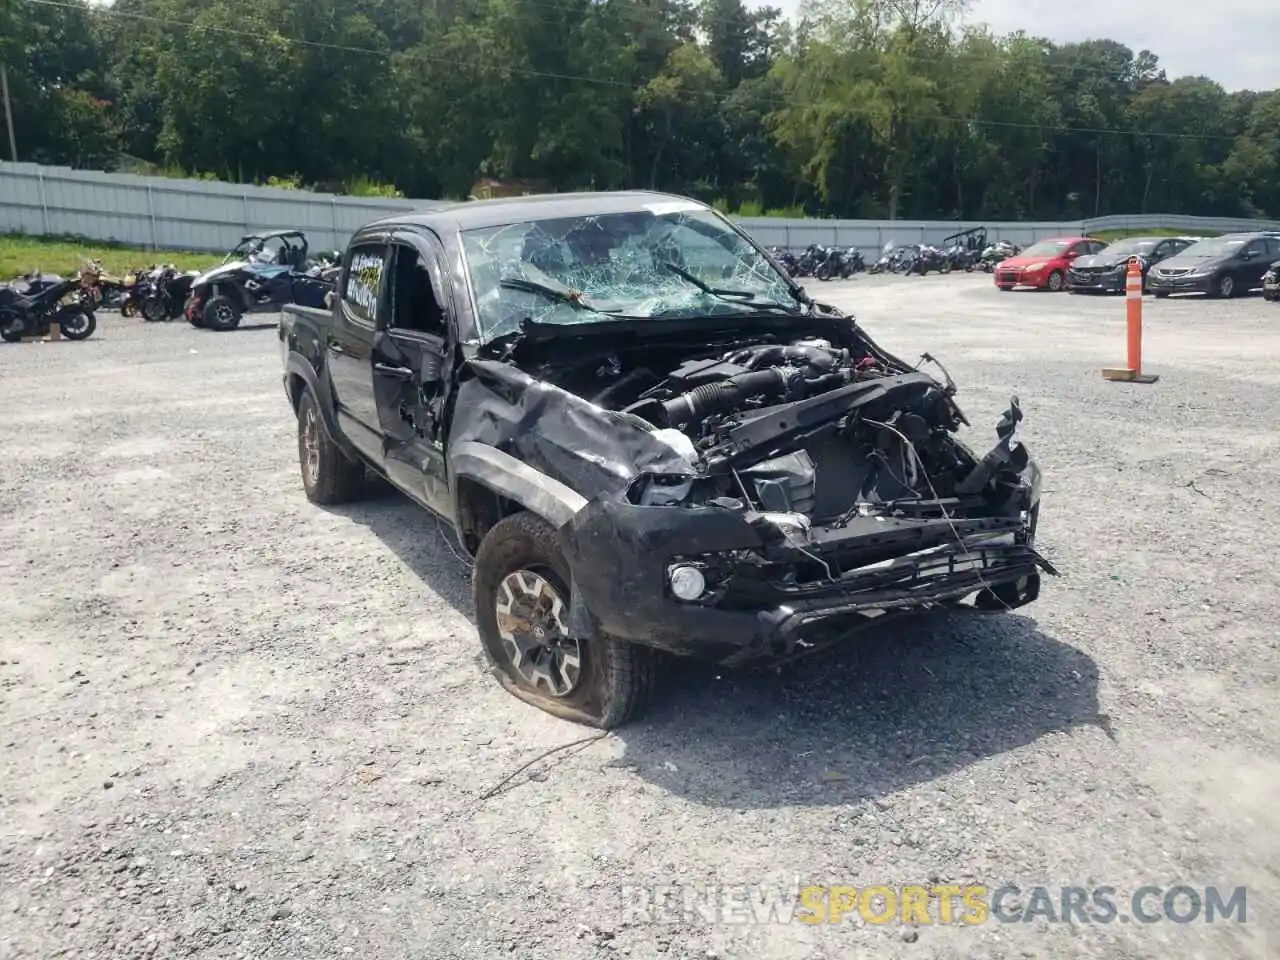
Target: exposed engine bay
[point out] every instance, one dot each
(759, 488)
(802, 427)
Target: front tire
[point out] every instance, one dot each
(221, 313)
(328, 476)
(1054, 283)
(521, 593)
(1225, 286)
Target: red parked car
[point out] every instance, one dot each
(1044, 264)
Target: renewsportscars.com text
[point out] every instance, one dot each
(970, 905)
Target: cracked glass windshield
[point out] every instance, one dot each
(657, 263)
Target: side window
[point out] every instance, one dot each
(362, 282)
(1163, 249)
(414, 303)
(1273, 247)
(1254, 249)
(1097, 246)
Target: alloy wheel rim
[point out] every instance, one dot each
(530, 613)
(311, 444)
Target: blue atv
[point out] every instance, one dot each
(262, 273)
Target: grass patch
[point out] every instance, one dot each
(1111, 236)
(64, 255)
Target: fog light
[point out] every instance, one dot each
(687, 583)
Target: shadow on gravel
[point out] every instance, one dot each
(891, 709)
(897, 706)
(417, 539)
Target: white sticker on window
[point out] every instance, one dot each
(363, 279)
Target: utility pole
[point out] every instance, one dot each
(8, 112)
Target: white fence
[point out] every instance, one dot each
(169, 214)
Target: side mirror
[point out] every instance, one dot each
(1249, 255)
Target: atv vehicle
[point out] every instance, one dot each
(260, 274)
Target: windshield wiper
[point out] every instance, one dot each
(744, 297)
(574, 298)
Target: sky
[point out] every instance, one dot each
(1230, 41)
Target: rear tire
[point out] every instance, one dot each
(521, 593)
(328, 476)
(79, 327)
(154, 310)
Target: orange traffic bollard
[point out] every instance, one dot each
(1133, 309)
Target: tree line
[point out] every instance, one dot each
(861, 108)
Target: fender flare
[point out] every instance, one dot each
(514, 479)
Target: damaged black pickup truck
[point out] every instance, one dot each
(649, 438)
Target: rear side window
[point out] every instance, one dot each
(362, 282)
(1256, 247)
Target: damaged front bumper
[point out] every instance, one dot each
(766, 601)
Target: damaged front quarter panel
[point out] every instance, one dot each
(596, 452)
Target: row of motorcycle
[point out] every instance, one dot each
(967, 250)
(35, 302)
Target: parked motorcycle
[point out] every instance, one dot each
(131, 284)
(998, 251)
(163, 293)
(68, 303)
(928, 257)
(807, 262)
(853, 262)
(842, 262)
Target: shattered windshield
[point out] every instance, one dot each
(659, 263)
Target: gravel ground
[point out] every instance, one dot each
(237, 725)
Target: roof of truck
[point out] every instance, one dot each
(478, 214)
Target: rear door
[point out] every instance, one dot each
(410, 370)
(1254, 260)
(361, 303)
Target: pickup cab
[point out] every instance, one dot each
(650, 441)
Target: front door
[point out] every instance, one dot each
(361, 303)
(410, 371)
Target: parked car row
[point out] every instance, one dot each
(1224, 266)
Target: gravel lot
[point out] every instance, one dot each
(237, 725)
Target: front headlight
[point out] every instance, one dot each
(1034, 267)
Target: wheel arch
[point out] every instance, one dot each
(489, 485)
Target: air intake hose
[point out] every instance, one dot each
(779, 383)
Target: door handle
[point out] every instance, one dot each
(398, 373)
